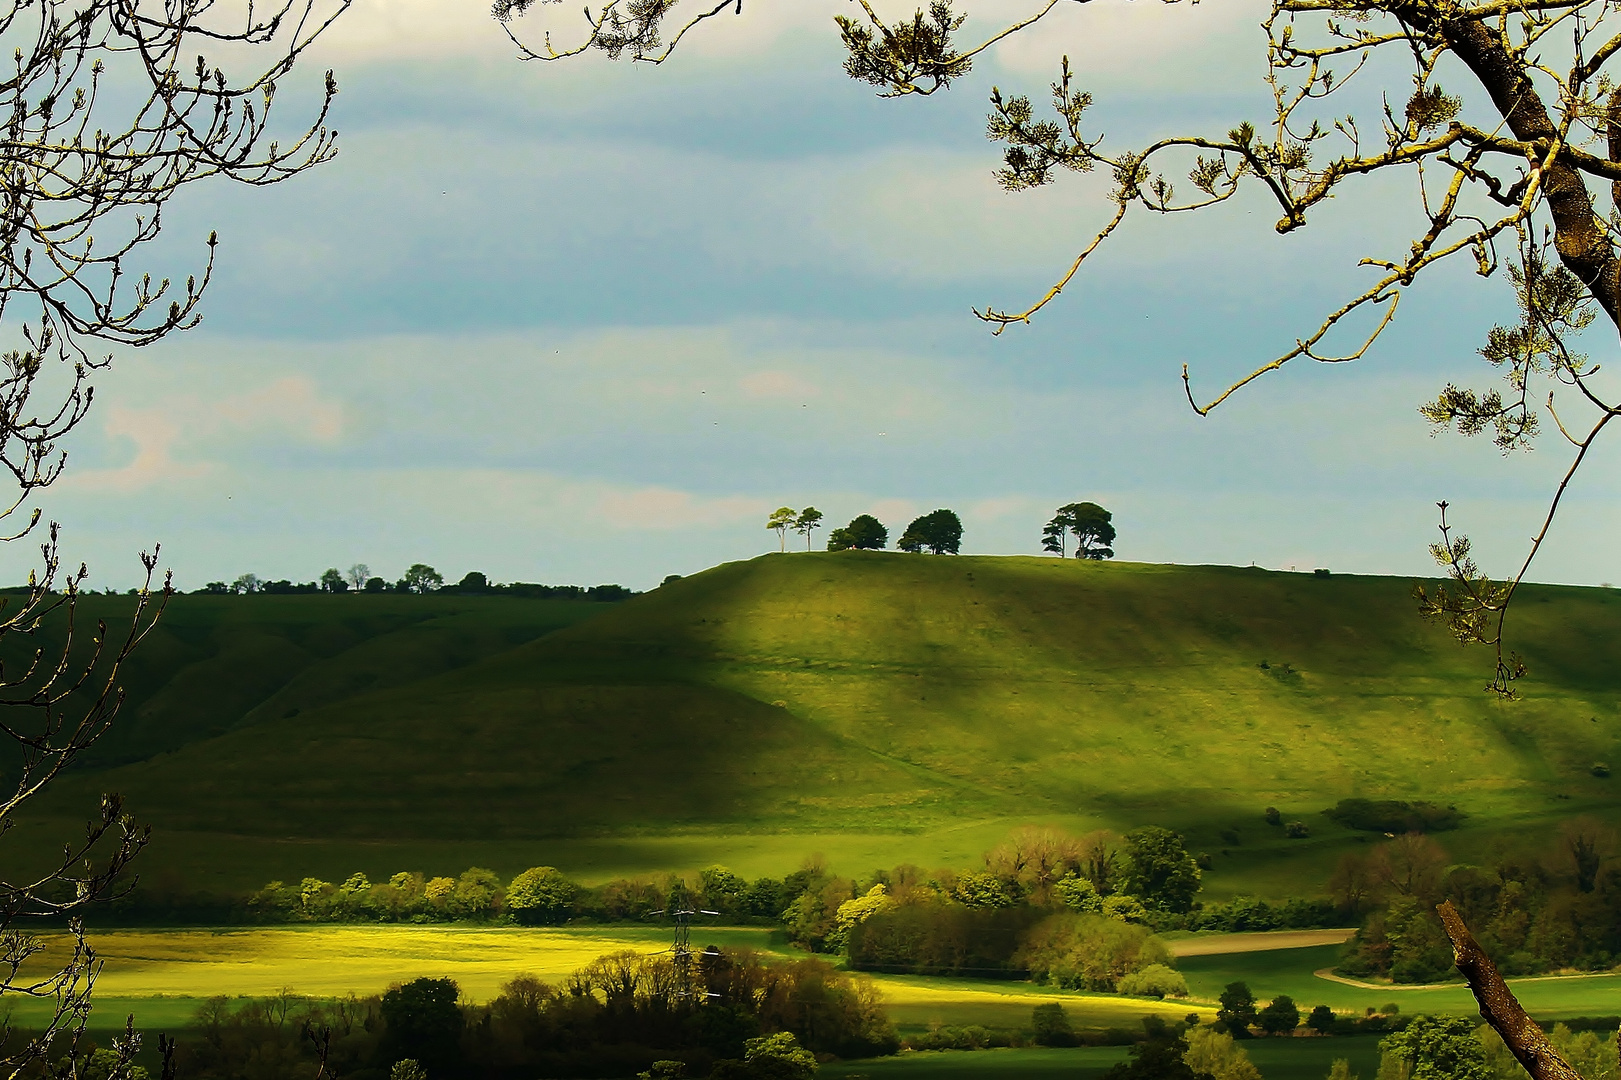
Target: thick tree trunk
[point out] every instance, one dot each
(1580, 237)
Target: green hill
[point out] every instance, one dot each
(872, 705)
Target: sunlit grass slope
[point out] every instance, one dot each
(888, 694)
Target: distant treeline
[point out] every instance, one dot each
(419, 580)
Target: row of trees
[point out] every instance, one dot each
(741, 1019)
(419, 580)
(939, 532)
(1089, 525)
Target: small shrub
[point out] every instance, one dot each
(1273, 816)
(1296, 830)
(1230, 836)
(1600, 769)
(1205, 861)
(1320, 572)
(1155, 980)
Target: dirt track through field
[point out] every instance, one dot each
(1260, 942)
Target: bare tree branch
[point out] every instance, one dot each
(1499, 1007)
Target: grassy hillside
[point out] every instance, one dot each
(920, 705)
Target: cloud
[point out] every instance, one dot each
(662, 509)
(777, 384)
(174, 439)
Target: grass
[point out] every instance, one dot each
(875, 707)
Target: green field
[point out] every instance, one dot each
(877, 708)
(1290, 971)
(161, 976)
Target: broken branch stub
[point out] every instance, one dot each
(1499, 1007)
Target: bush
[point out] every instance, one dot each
(1296, 830)
(1600, 769)
(1273, 815)
(1155, 980)
(1089, 952)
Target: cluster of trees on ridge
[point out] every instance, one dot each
(940, 532)
(419, 579)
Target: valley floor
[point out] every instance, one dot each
(161, 976)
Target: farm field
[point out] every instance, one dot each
(162, 975)
(166, 973)
(874, 707)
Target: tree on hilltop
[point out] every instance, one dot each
(333, 581)
(809, 519)
(1510, 173)
(780, 521)
(358, 575)
(939, 532)
(864, 533)
(421, 578)
(1090, 524)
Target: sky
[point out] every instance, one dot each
(592, 322)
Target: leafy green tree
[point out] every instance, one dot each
(421, 578)
(473, 581)
(1090, 524)
(1236, 1009)
(1078, 894)
(939, 532)
(407, 1069)
(780, 521)
(721, 890)
(778, 1057)
(1214, 1054)
(983, 889)
(478, 894)
(809, 519)
(864, 533)
(423, 1022)
(1158, 869)
(542, 894)
(1280, 1016)
(1321, 1020)
(333, 581)
(1439, 1048)
(1050, 1025)
(1160, 1057)
(376, 584)
(246, 583)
